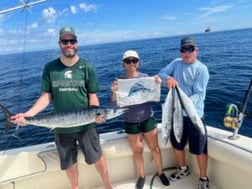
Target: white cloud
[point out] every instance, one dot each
(34, 25)
(88, 7)
(73, 9)
(49, 14)
(51, 31)
(209, 11)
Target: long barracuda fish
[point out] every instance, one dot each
(172, 117)
(67, 119)
(190, 110)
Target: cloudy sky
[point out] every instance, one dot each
(103, 21)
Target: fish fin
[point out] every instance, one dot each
(8, 118)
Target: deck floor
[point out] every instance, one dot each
(188, 182)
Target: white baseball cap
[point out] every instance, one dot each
(130, 53)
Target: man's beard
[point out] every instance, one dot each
(70, 54)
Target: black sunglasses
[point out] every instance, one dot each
(189, 49)
(128, 61)
(66, 41)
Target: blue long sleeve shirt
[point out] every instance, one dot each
(192, 79)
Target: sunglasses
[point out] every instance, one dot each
(187, 49)
(66, 41)
(128, 61)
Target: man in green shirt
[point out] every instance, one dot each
(70, 83)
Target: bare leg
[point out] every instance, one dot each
(180, 154)
(72, 174)
(136, 143)
(152, 141)
(101, 167)
(202, 163)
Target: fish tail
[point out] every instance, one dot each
(8, 117)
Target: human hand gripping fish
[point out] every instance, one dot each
(171, 82)
(19, 119)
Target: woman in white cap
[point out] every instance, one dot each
(139, 122)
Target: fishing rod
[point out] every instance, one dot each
(234, 118)
(24, 5)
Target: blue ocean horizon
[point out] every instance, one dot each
(227, 55)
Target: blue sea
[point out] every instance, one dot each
(228, 55)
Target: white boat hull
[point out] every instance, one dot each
(37, 167)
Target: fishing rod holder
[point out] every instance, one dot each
(234, 118)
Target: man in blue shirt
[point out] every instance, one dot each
(192, 77)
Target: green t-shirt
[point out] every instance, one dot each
(69, 87)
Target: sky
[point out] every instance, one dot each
(104, 21)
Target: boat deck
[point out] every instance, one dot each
(228, 165)
(188, 182)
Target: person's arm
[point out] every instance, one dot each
(42, 102)
(93, 99)
(167, 71)
(200, 86)
(166, 74)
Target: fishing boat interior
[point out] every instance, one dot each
(228, 165)
(229, 159)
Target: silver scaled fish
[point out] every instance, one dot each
(67, 119)
(172, 117)
(190, 110)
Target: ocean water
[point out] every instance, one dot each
(228, 55)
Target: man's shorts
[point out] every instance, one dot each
(140, 127)
(88, 141)
(197, 142)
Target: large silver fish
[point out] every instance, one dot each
(172, 117)
(67, 119)
(167, 119)
(190, 110)
(177, 117)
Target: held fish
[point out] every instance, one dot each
(190, 110)
(177, 117)
(167, 118)
(67, 119)
(172, 117)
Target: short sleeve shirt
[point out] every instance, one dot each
(69, 86)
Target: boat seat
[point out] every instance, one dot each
(22, 164)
